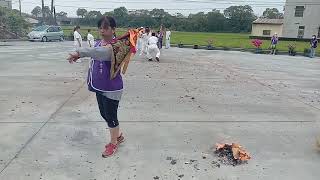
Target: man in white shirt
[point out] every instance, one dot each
(77, 40)
(90, 39)
(145, 37)
(153, 47)
(77, 37)
(168, 38)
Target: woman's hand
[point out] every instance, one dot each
(73, 57)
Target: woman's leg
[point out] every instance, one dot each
(114, 134)
(142, 47)
(109, 111)
(167, 44)
(157, 50)
(160, 43)
(311, 52)
(149, 53)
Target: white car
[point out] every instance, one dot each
(46, 33)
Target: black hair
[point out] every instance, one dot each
(89, 30)
(106, 22)
(147, 29)
(75, 28)
(153, 34)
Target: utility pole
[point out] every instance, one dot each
(20, 7)
(43, 17)
(55, 17)
(52, 11)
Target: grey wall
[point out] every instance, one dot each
(310, 19)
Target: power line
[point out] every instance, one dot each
(254, 2)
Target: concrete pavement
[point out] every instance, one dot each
(50, 127)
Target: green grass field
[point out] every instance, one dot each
(231, 40)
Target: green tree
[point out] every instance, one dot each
(81, 12)
(108, 13)
(216, 21)
(36, 11)
(179, 15)
(121, 15)
(14, 22)
(94, 15)
(161, 16)
(240, 18)
(197, 22)
(47, 12)
(62, 14)
(272, 14)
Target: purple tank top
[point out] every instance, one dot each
(99, 76)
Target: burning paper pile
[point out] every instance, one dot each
(231, 154)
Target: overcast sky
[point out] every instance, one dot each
(172, 6)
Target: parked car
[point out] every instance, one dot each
(46, 33)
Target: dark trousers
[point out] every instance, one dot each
(108, 110)
(160, 40)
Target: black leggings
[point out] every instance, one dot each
(108, 110)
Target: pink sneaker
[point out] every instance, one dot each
(110, 150)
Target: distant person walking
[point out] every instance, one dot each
(90, 38)
(139, 41)
(77, 39)
(168, 38)
(274, 42)
(160, 37)
(313, 46)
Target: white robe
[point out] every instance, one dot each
(144, 44)
(168, 38)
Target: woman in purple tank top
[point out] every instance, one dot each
(108, 88)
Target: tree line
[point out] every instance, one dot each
(46, 15)
(11, 23)
(232, 19)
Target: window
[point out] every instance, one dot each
(56, 29)
(266, 32)
(51, 29)
(299, 11)
(301, 32)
